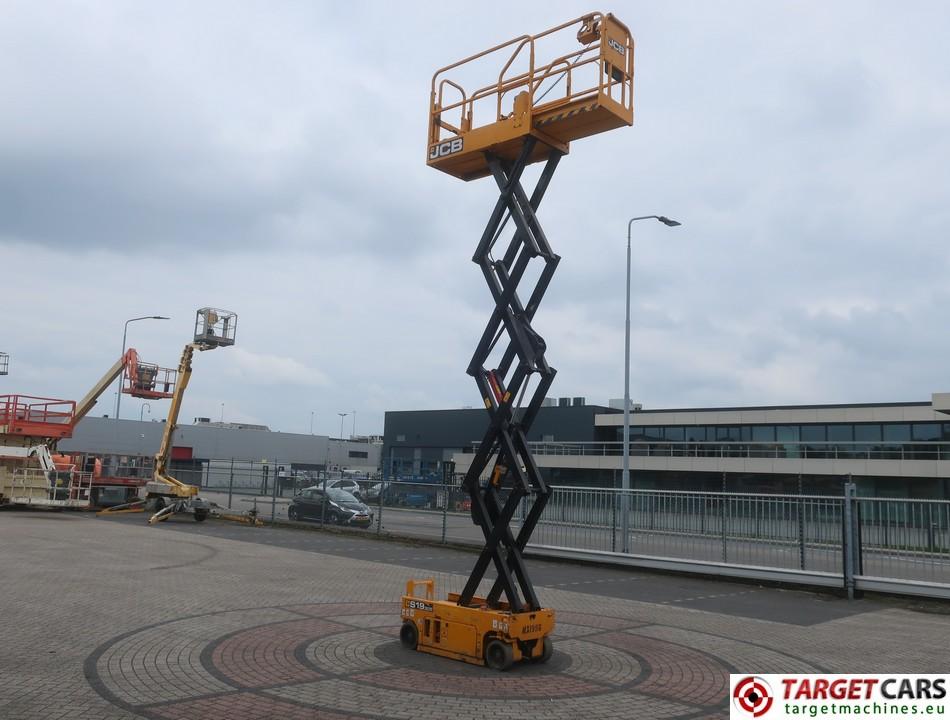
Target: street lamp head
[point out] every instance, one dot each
(160, 317)
(666, 221)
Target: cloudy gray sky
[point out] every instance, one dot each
(269, 158)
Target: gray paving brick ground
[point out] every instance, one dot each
(106, 619)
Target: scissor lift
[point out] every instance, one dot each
(592, 90)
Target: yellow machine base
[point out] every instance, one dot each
(474, 633)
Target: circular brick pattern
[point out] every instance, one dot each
(338, 661)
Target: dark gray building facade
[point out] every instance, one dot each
(417, 442)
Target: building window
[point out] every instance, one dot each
(867, 433)
(840, 433)
(763, 433)
(896, 432)
(674, 434)
(359, 454)
(926, 431)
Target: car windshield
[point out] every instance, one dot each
(338, 495)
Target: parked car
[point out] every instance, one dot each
(339, 507)
(348, 485)
(372, 491)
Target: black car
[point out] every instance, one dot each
(339, 507)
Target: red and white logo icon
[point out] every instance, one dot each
(753, 696)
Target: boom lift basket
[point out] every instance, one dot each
(214, 328)
(148, 381)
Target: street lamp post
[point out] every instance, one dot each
(625, 480)
(342, 415)
(142, 411)
(311, 421)
(125, 332)
(354, 424)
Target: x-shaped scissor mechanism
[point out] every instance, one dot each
(514, 475)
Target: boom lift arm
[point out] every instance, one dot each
(171, 424)
(167, 494)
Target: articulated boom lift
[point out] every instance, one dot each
(30, 428)
(166, 494)
(535, 108)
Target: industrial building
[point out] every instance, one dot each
(195, 446)
(887, 449)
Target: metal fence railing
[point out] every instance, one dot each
(46, 488)
(800, 532)
(845, 541)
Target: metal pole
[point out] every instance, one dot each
(323, 508)
(125, 332)
(801, 525)
(625, 478)
(379, 517)
(118, 396)
(273, 497)
(445, 509)
(722, 519)
(624, 499)
(231, 483)
(847, 540)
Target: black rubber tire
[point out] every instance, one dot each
(154, 504)
(547, 650)
(292, 512)
(201, 515)
(333, 518)
(499, 655)
(409, 635)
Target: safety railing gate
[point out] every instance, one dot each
(882, 544)
(34, 486)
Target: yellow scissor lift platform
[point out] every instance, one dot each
(571, 94)
(533, 95)
(476, 633)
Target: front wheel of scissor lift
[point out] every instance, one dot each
(409, 635)
(499, 655)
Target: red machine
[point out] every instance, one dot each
(30, 427)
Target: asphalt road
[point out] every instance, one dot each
(731, 598)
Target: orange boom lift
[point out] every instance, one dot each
(537, 94)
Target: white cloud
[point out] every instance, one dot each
(266, 159)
